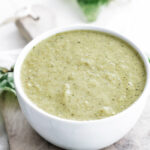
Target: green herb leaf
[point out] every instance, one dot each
(7, 81)
(91, 8)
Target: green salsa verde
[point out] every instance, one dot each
(83, 75)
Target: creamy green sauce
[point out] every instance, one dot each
(83, 75)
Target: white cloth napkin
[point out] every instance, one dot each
(8, 58)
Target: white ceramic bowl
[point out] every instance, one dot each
(79, 135)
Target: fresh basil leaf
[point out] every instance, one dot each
(91, 8)
(6, 81)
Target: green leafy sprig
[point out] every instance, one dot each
(7, 81)
(90, 8)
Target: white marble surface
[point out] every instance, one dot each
(128, 17)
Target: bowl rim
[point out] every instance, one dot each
(30, 45)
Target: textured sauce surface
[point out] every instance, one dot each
(83, 75)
